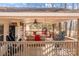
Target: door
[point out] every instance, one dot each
(12, 33)
(1, 32)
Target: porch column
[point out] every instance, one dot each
(53, 26)
(78, 36)
(70, 29)
(78, 29)
(65, 27)
(59, 26)
(17, 32)
(6, 30)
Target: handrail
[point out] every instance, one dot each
(34, 41)
(71, 38)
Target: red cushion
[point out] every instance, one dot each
(37, 38)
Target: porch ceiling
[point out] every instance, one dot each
(43, 19)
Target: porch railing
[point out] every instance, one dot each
(39, 48)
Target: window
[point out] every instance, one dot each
(75, 5)
(1, 32)
(57, 5)
(70, 6)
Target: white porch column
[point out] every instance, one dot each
(78, 29)
(6, 29)
(78, 37)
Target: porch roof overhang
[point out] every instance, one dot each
(38, 14)
(47, 17)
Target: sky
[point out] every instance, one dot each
(40, 5)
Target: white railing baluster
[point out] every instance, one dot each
(20, 49)
(26, 49)
(13, 53)
(11, 50)
(8, 49)
(39, 48)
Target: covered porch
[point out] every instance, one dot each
(27, 23)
